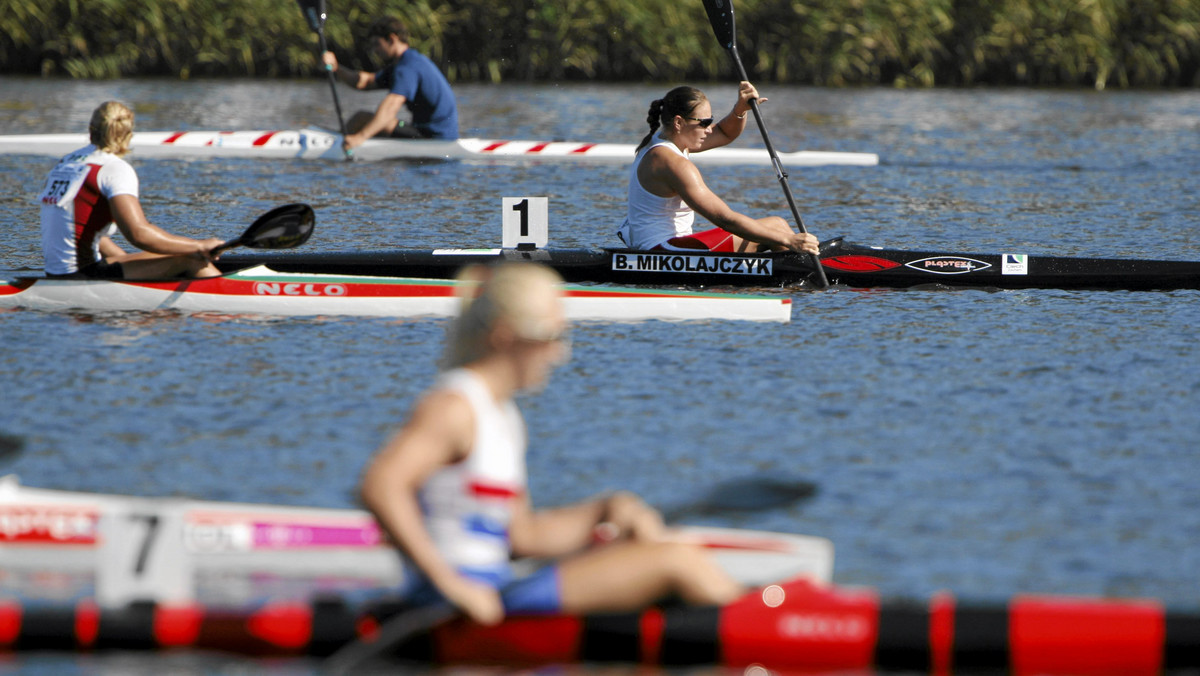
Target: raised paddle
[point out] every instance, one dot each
(720, 15)
(283, 227)
(745, 494)
(314, 11)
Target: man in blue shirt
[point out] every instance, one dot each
(411, 79)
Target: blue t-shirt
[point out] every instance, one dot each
(426, 93)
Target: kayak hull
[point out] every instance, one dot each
(263, 291)
(845, 263)
(317, 144)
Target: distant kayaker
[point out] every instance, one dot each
(92, 193)
(666, 189)
(450, 486)
(412, 80)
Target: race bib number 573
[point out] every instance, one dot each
(63, 184)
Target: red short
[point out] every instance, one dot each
(709, 240)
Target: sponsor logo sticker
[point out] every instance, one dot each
(38, 524)
(693, 264)
(948, 265)
(298, 289)
(830, 627)
(1014, 264)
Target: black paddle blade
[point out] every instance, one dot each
(720, 15)
(747, 494)
(314, 11)
(284, 227)
(10, 445)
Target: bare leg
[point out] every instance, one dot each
(360, 119)
(153, 266)
(627, 576)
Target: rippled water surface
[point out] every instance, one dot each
(988, 443)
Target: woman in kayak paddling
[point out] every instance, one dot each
(450, 486)
(93, 192)
(666, 189)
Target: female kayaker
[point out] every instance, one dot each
(450, 486)
(93, 192)
(666, 190)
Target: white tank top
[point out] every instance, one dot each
(75, 207)
(468, 506)
(652, 220)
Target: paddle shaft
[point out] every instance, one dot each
(394, 632)
(779, 171)
(317, 19)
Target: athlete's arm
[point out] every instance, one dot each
(359, 79)
(384, 120)
(109, 248)
(681, 177)
(439, 433)
(557, 532)
(131, 221)
(731, 126)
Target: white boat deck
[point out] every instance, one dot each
(317, 144)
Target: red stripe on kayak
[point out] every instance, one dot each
(10, 622)
(177, 626)
(763, 545)
(825, 628)
(262, 140)
(225, 286)
(538, 148)
(494, 146)
(551, 640)
(287, 625)
(1086, 636)
(584, 148)
(650, 631)
(15, 287)
(87, 623)
(856, 263)
(941, 634)
(367, 628)
(173, 137)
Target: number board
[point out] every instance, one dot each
(525, 221)
(141, 556)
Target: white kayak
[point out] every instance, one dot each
(262, 291)
(63, 545)
(318, 144)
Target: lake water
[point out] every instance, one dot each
(986, 443)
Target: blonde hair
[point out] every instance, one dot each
(111, 128)
(517, 294)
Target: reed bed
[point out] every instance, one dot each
(909, 43)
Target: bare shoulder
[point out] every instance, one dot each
(668, 169)
(442, 418)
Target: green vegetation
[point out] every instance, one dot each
(1122, 43)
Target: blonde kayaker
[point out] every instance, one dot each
(450, 486)
(92, 193)
(666, 190)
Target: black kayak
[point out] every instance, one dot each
(845, 263)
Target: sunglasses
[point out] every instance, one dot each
(704, 121)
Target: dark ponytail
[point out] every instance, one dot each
(679, 101)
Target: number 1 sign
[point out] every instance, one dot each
(525, 222)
